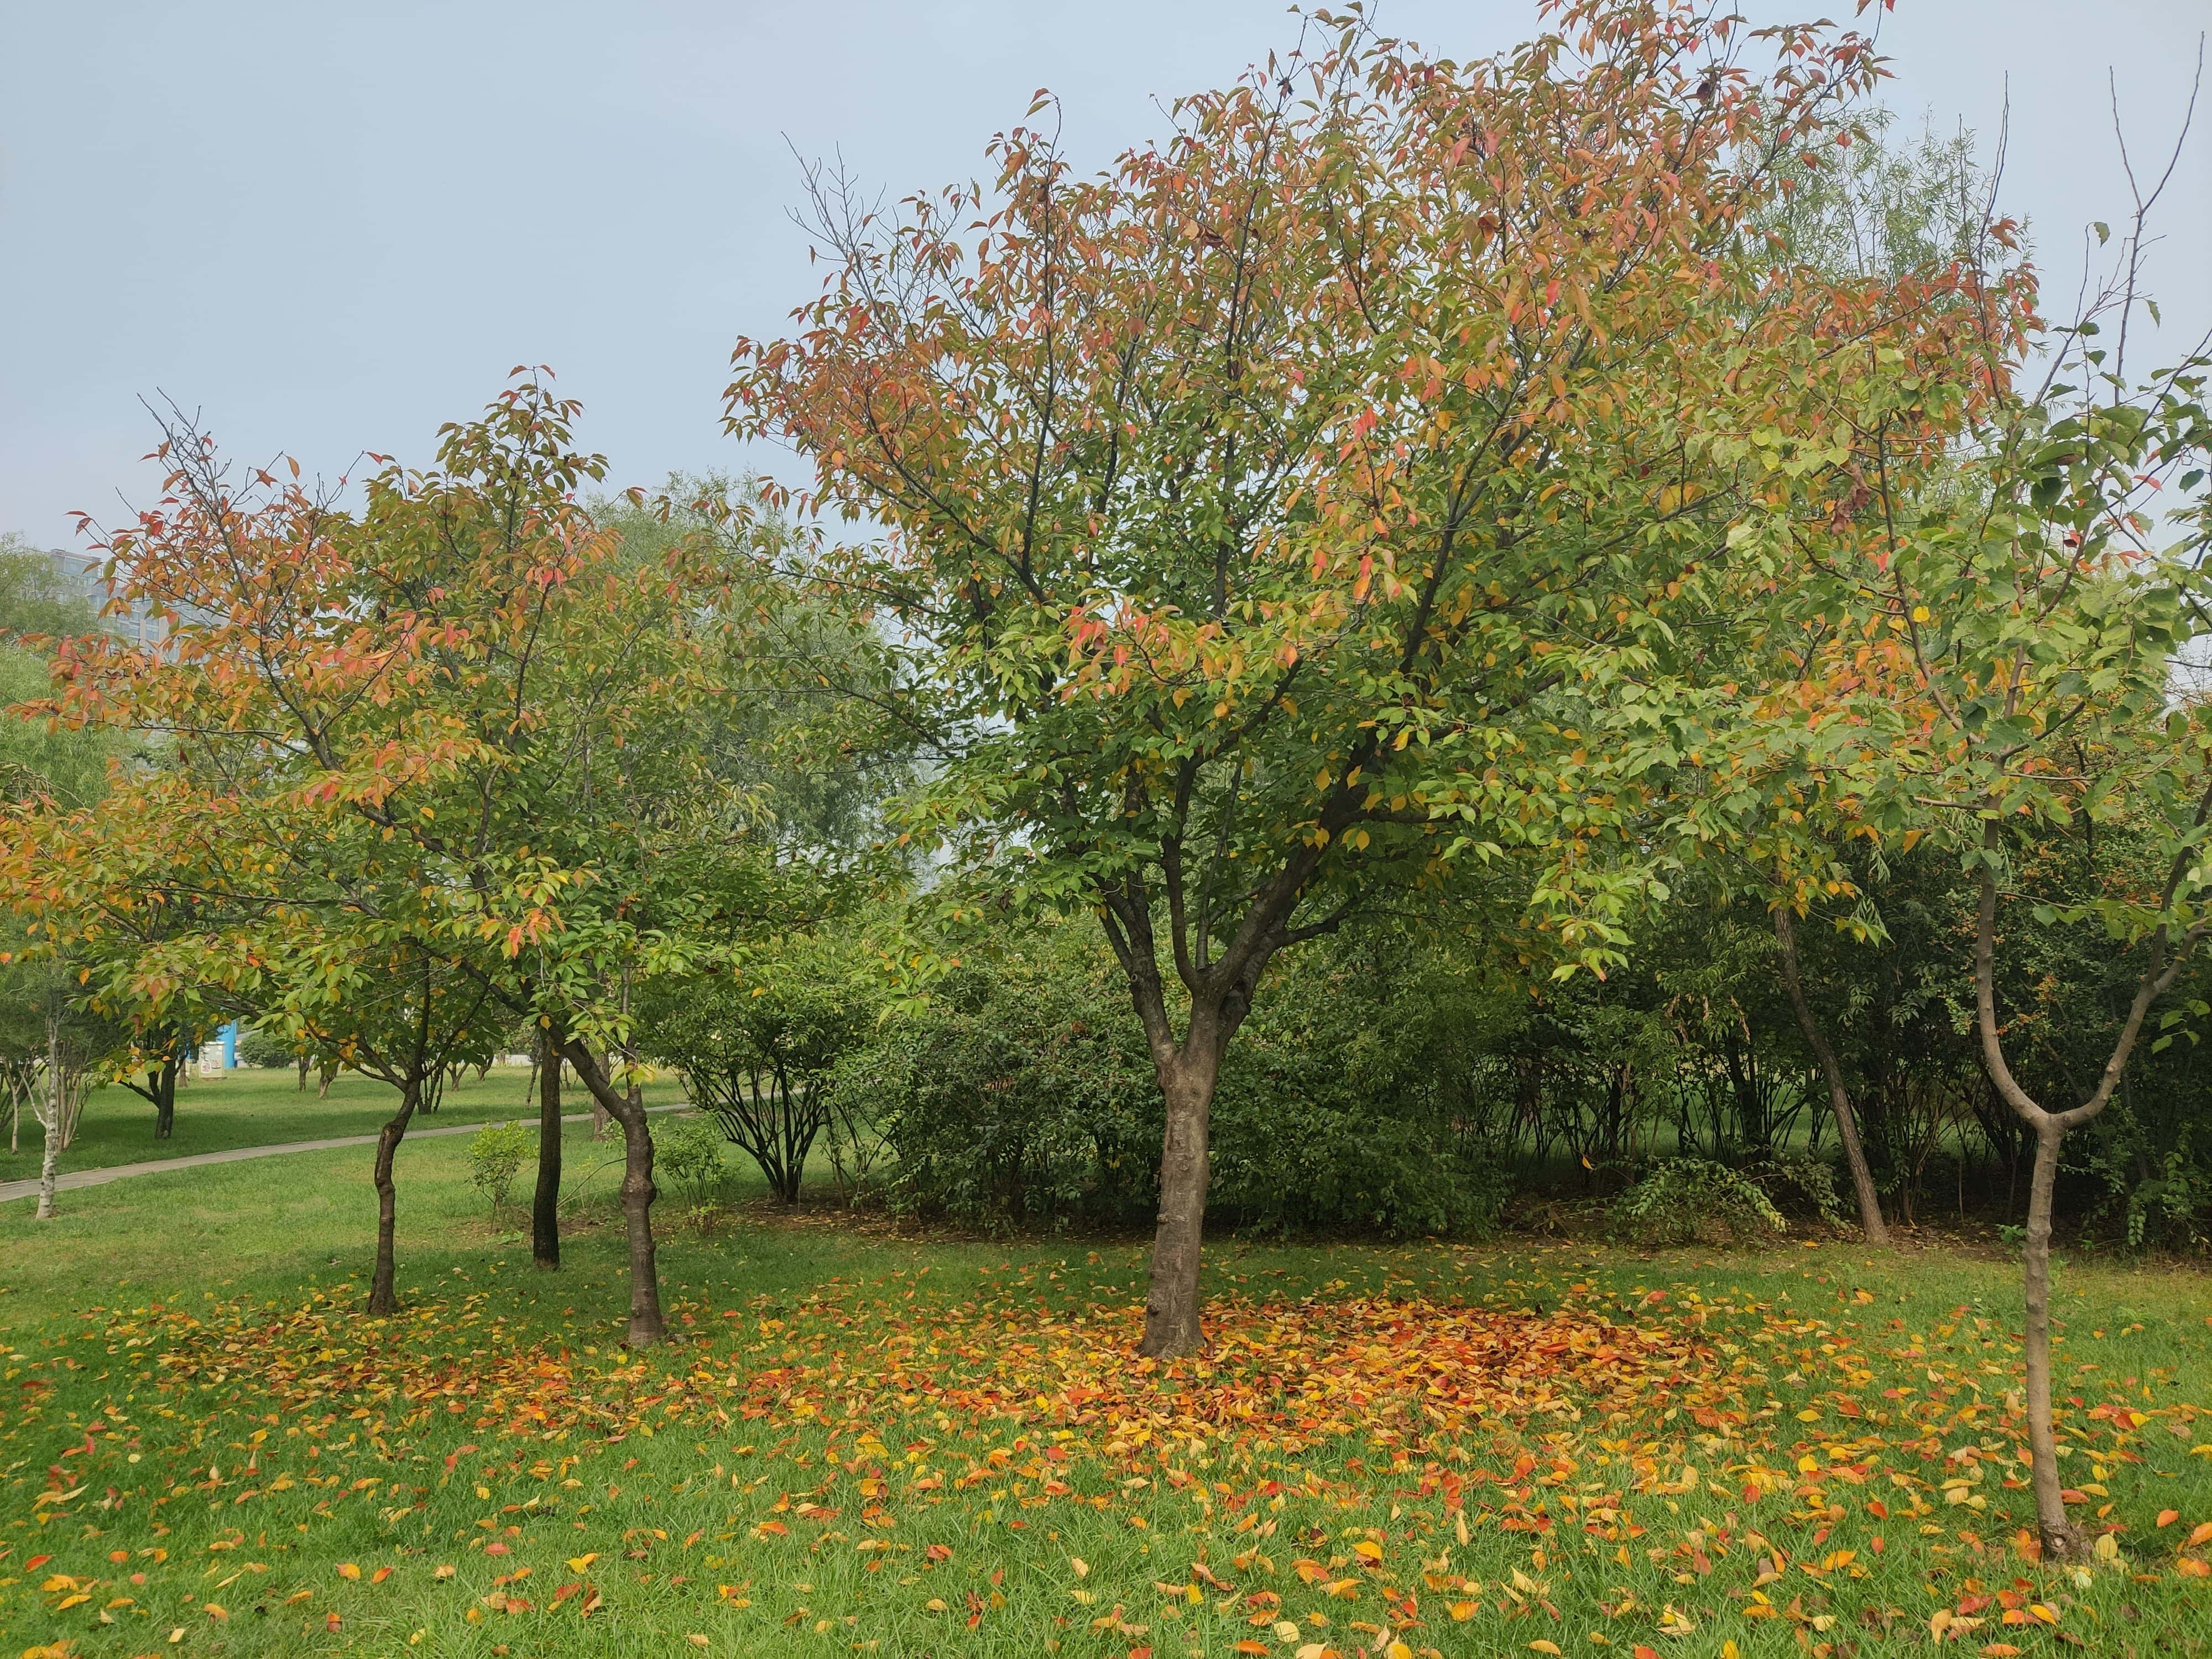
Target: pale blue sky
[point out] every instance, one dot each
(331, 229)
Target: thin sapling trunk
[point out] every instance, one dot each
(1831, 1072)
(50, 1157)
(647, 1326)
(383, 1298)
(2062, 1539)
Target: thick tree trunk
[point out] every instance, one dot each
(2062, 1539)
(50, 1157)
(1831, 1072)
(647, 1326)
(165, 1098)
(1172, 1305)
(546, 1204)
(382, 1297)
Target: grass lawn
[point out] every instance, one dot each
(259, 1107)
(876, 1444)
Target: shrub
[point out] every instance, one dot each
(754, 1050)
(1807, 1182)
(1021, 1094)
(497, 1152)
(691, 1150)
(1692, 1200)
(261, 1047)
(1025, 1094)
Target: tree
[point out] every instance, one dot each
(1335, 494)
(1987, 657)
(446, 739)
(757, 1053)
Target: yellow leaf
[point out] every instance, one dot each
(1082, 1567)
(579, 1563)
(1540, 1645)
(347, 1570)
(1368, 1548)
(1463, 1611)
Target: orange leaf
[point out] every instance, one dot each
(2168, 1517)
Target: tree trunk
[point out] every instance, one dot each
(646, 1327)
(303, 1075)
(545, 1206)
(1187, 1078)
(165, 1098)
(382, 1297)
(1839, 1097)
(2062, 1539)
(50, 1159)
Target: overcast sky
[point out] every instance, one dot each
(330, 228)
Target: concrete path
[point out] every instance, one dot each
(70, 1180)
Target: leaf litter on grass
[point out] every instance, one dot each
(1334, 1473)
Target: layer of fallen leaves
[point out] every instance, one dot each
(1617, 1428)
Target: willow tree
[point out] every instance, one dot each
(1328, 496)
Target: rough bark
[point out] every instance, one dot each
(647, 1326)
(545, 1204)
(1831, 1072)
(165, 1098)
(302, 1062)
(1171, 1303)
(383, 1298)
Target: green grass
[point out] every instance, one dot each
(262, 1107)
(257, 1435)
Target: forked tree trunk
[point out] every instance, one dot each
(382, 1297)
(647, 1326)
(303, 1074)
(2062, 1539)
(545, 1204)
(1831, 1072)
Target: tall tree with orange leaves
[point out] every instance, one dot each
(1336, 497)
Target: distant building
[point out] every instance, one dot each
(82, 571)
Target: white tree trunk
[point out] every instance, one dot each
(50, 1120)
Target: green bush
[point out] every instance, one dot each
(497, 1152)
(261, 1047)
(689, 1149)
(1692, 1200)
(1022, 1095)
(1025, 1095)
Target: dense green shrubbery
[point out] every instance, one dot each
(1694, 1200)
(1024, 1094)
(259, 1046)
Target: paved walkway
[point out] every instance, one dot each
(70, 1180)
